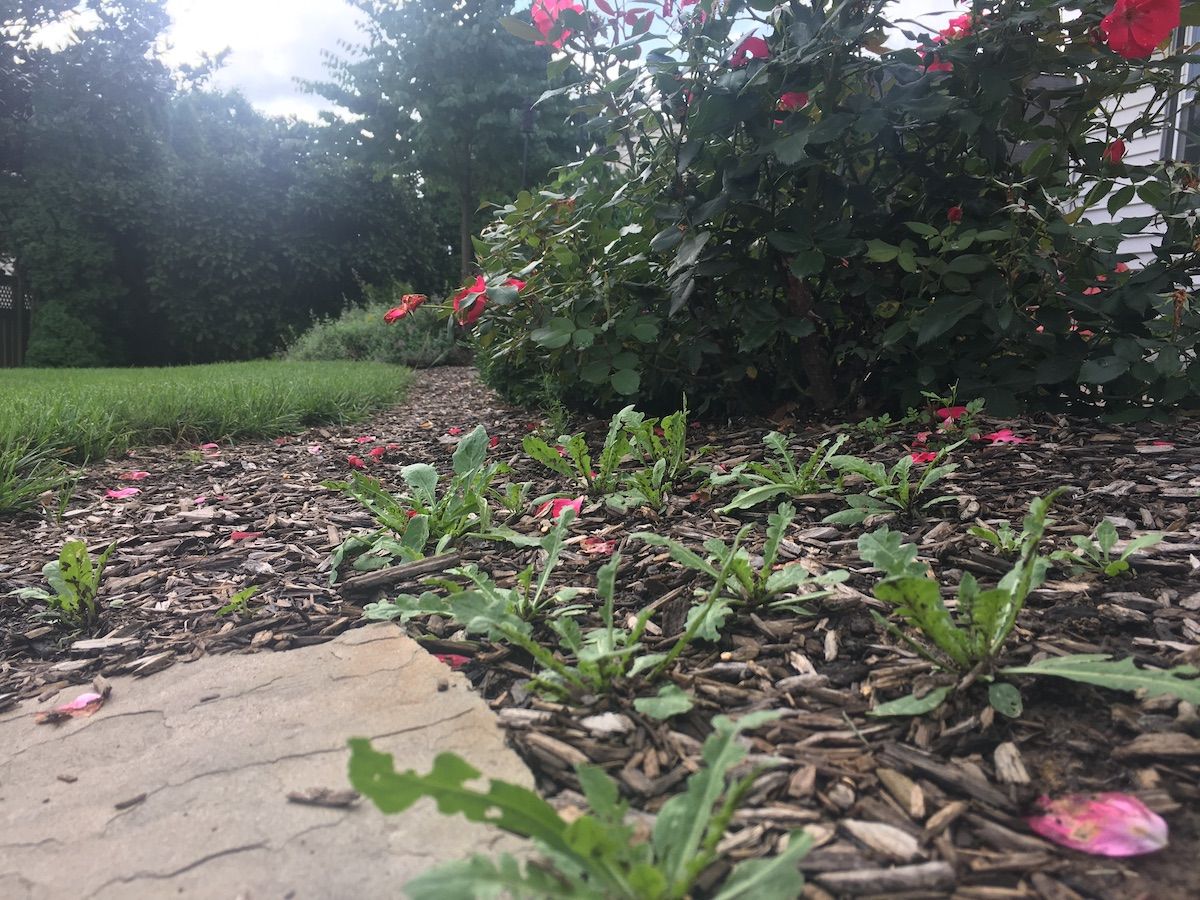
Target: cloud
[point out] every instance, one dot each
(271, 43)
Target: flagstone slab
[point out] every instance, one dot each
(178, 786)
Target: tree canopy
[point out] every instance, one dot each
(439, 89)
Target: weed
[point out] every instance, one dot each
(1006, 541)
(1096, 552)
(972, 638)
(527, 600)
(422, 514)
(75, 580)
(747, 582)
(238, 601)
(596, 855)
(659, 444)
(894, 489)
(771, 479)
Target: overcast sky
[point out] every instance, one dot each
(273, 42)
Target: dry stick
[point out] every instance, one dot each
(369, 581)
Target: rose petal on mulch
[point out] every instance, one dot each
(453, 660)
(133, 476)
(245, 535)
(122, 494)
(1110, 824)
(594, 546)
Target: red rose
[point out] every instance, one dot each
(791, 101)
(752, 47)
(954, 214)
(477, 291)
(1114, 152)
(1135, 27)
(545, 19)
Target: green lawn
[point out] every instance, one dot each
(90, 413)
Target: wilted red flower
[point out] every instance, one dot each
(376, 453)
(950, 413)
(545, 15)
(477, 291)
(1135, 27)
(954, 214)
(1121, 268)
(1114, 152)
(494, 442)
(356, 461)
(752, 47)
(408, 303)
(1108, 824)
(923, 457)
(412, 513)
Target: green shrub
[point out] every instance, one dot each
(62, 339)
(809, 213)
(419, 340)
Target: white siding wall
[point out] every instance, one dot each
(1143, 150)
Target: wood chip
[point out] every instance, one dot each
(886, 840)
(930, 876)
(1009, 767)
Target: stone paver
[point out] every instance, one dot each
(215, 747)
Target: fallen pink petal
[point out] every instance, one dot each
(133, 476)
(923, 457)
(314, 449)
(454, 431)
(594, 546)
(122, 494)
(1004, 436)
(365, 439)
(493, 442)
(556, 507)
(245, 535)
(210, 446)
(356, 462)
(1109, 824)
(376, 452)
(453, 660)
(83, 705)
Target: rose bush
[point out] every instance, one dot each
(791, 206)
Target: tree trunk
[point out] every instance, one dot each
(814, 357)
(467, 204)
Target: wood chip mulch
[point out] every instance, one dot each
(928, 807)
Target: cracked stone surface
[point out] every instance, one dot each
(215, 747)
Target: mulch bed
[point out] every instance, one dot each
(957, 781)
